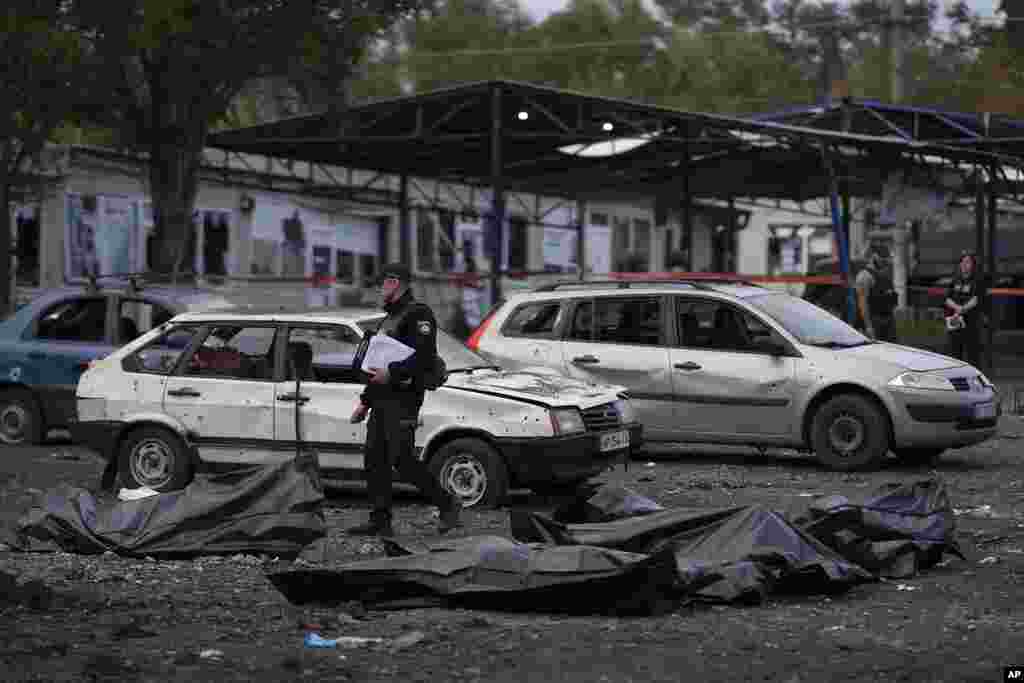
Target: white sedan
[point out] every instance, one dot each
(209, 389)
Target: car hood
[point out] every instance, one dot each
(536, 386)
(906, 357)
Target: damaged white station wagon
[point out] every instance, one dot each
(218, 388)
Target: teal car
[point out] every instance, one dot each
(46, 344)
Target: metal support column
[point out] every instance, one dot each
(581, 238)
(993, 267)
(687, 217)
(497, 227)
(979, 220)
(841, 238)
(404, 228)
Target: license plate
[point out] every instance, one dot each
(614, 441)
(984, 411)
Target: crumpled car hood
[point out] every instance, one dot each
(546, 387)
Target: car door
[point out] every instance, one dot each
(59, 345)
(147, 370)
(622, 340)
(327, 395)
(223, 393)
(727, 385)
(529, 336)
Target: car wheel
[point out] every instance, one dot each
(471, 470)
(21, 423)
(849, 432)
(918, 456)
(154, 457)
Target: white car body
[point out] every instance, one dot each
(245, 420)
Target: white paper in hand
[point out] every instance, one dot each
(384, 350)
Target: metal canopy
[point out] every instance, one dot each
(871, 117)
(449, 135)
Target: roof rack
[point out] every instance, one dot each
(699, 283)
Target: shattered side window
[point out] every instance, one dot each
(161, 356)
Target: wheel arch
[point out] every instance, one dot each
(135, 422)
(833, 390)
(441, 438)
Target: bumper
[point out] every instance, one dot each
(97, 435)
(563, 458)
(944, 419)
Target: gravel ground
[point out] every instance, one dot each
(76, 618)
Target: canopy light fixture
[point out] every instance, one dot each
(523, 115)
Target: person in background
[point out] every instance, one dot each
(876, 297)
(964, 298)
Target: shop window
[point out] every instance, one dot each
(632, 245)
(346, 266)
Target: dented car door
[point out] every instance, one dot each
(223, 394)
(728, 383)
(620, 340)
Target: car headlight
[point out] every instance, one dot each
(567, 421)
(922, 380)
(625, 409)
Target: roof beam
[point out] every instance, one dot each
(452, 112)
(549, 115)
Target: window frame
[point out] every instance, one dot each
(208, 328)
(681, 301)
(280, 357)
(556, 330)
(576, 302)
(198, 336)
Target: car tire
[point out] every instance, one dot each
(918, 456)
(471, 470)
(849, 432)
(21, 421)
(154, 457)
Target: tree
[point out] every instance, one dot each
(39, 81)
(176, 66)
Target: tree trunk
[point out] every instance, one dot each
(177, 135)
(6, 251)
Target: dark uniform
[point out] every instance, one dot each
(394, 414)
(965, 343)
(876, 284)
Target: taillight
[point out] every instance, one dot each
(474, 339)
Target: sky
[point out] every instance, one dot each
(539, 9)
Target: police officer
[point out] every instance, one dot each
(392, 398)
(876, 296)
(964, 298)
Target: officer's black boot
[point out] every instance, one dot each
(378, 525)
(449, 516)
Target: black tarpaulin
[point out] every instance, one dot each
(605, 503)
(896, 531)
(494, 572)
(731, 554)
(264, 509)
